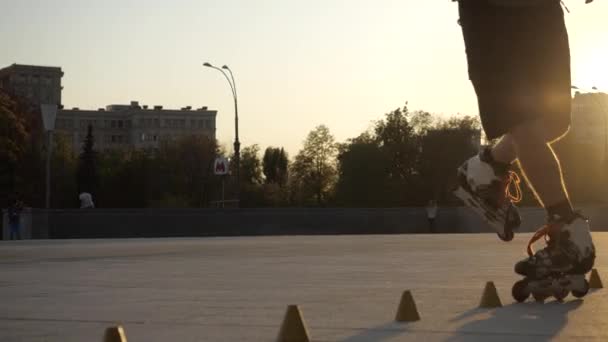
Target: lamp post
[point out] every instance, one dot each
(237, 144)
(49, 114)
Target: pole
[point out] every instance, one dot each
(223, 198)
(48, 168)
(237, 143)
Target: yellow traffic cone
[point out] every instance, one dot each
(115, 334)
(293, 328)
(490, 298)
(595, 282)
(407, 312)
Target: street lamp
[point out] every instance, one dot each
(49, 114)
(237, 144)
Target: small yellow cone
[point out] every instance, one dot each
(293, 328)
(115, 334)
(595, 282)
(490, 298)
(407, 312)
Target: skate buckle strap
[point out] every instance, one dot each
(513, 182)
(544, 232)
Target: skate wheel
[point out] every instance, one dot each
(561, 294)
(520, 291)
(539, 297)
(582, 292)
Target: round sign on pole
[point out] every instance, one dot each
(221, 166)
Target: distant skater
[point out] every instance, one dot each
(14, 218)
(519, 64)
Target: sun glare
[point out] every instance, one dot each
(591, 70)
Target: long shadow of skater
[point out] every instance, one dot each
(379, 333)
(526, 320)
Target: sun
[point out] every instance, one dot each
(591, 69)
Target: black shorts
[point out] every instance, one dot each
(519, 64)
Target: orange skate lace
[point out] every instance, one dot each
(513, 181)
(543, 232)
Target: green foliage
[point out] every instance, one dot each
(275, 165)
(178, 174)
(251, 166)
(363, 177)
(87, 176)
(314, 169)
(13, 131)
(406, 158)
(64, 190)
(13, 140)
(443, 148)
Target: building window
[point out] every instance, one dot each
(113, 124)
(120, 123)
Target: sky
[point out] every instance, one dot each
(297, 64)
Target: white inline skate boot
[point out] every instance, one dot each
(560, 267)
(486, 189)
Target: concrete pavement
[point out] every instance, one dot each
(237, 289)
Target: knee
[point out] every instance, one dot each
(556, 131)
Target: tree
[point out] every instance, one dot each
(251, 166)
(400, 145)
(443, 148)
(184, 169)
(63, 173)
(362, 169)
(87, 176)
(13, 141)
(275, 165)
(314, 168)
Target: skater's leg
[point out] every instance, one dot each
(505, 151)
(540, 165)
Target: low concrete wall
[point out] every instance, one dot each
(128, 223)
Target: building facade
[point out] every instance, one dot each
(590, 120)
(134, 126)
(34, 84)
(115, 126)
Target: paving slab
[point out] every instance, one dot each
(237, 289)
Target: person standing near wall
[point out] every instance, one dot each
(431, 214)
(86, 201)
(14, 218)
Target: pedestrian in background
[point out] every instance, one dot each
(14, 218)
(431, 214)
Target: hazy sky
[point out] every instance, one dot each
(298, 64)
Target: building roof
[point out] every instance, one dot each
(29, 68)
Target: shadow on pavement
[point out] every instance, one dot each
(526, 320)
(379, 333)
